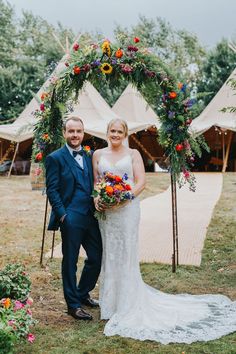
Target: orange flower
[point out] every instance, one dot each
(180, 85)
(118, 187)
(6, 303)
(43, 96)
(39, 156)
(119, 53)
(173, 94)
(109, 190)
(76, 70)
(45, 136)
(87, 148)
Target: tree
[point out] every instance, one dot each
(217, 67)
(29, 53)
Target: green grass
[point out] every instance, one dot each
(58, 333)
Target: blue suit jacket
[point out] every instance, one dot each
(61, 182)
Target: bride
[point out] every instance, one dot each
(134, 309)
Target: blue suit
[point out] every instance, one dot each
(69, 189)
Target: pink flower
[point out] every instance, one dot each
(126, 68)
(186, 174)
(18, 305)
(37, 172)
(30, 338)
(29, 312)
(29, 301)
(11, 322)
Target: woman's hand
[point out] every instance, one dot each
(99, 205)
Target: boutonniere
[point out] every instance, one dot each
(87, 150)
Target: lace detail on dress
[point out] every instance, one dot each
(137, 310)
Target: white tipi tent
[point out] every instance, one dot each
(96, 113)
(132, 106)
(212, 116)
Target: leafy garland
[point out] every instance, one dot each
(113, 64)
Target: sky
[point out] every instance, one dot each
(210, 20)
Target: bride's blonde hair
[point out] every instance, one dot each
(121, 121)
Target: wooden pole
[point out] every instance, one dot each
(13, 160)
(175, 254)
(44, 230)
(225, 163)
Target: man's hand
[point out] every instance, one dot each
(62, 218)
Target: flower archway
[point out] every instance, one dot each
(112, 64)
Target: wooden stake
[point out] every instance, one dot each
(225, 163)
(13, 160)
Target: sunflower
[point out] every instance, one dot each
(106, 49)
(106, 68)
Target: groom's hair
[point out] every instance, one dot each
(122, 122)
(74, 118)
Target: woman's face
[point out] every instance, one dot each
(116, 134)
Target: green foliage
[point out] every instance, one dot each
(178, 48)
(28, 54)
(14, 282)
(217, 67)
(7, 340)
(112, 65)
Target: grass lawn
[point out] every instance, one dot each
(22, 213)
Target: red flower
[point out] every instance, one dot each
(128, 187)
(76, 70)
(188, 121)
(118, 179)
(86, 67)
(179, 147)
(132, 48)
(173, 94)
(42, 107)
(39, 156)
(76, 47)
(136, 39)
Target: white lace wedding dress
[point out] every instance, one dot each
(137, 310)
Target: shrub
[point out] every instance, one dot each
(14, 282)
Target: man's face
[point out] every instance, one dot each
(74, 133)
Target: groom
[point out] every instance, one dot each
(69, 181)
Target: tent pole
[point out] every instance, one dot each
(13, 160)
(227, 152)
(44, 231)
(223, 146)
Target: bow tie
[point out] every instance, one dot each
(79, 152)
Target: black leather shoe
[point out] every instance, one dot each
(90, 302)
(79, 314)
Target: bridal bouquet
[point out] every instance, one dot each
(112, 190)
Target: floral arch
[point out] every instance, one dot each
(112, 64)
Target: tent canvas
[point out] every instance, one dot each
(212, 115)
(131, 106)
(91, 107)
